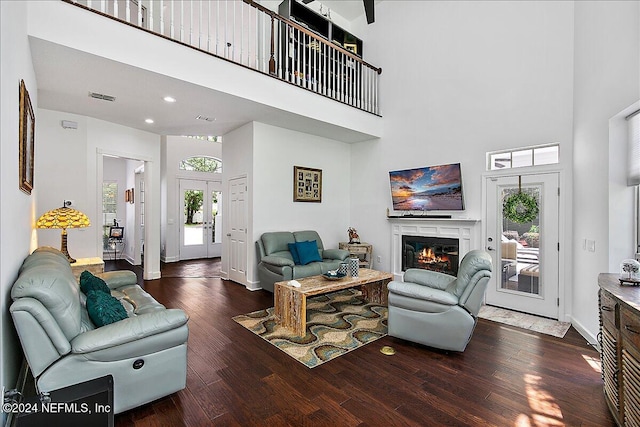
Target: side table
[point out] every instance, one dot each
(92, 265)
(364, 251)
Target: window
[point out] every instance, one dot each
(109, 209)
(201, 164)
(524, 157)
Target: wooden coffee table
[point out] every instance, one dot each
(290, 303)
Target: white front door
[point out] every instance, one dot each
(200, 219)
(237, 234)
(525, 255)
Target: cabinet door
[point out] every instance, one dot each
(610, 347)
(630, 334)
(610, 368)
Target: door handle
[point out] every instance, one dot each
(490, 248)
(228, 234)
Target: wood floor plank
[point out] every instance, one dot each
(506, 376)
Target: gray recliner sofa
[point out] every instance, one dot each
(436, 309)
(145, 353)
(276, 264)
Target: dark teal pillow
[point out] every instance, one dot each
(294, 253)
(104, 309)
(308, 252)
(89, 282)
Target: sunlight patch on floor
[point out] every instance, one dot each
(594, 362)
(544, 409)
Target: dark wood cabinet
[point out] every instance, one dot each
(619, 341)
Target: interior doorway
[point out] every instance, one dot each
(200, 219)
(238, 229)
(525, 253)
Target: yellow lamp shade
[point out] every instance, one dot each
(63, 218)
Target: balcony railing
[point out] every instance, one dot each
(250, 35)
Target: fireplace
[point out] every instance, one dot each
(430, 253)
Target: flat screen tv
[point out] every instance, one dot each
(431, 188)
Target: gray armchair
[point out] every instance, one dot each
(436, 309)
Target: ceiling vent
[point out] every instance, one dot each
(102, 97)
(201, 117)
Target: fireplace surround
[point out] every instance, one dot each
(465, 231)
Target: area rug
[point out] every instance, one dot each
(525, 321)
(337, 323)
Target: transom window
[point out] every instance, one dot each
(201, 164)
(548, 154)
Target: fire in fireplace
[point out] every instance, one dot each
(430, 253)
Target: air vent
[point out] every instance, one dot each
(102, 96)
(201, 117)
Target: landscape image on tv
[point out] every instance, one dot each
(433, 188)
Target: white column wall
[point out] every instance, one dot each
(607, 80)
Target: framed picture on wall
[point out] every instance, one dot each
(27, 140)
(307, 184)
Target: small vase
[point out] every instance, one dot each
(630, 270)
(354, 266)
(343, 268)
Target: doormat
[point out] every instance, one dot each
(524, 321)
(337, 323)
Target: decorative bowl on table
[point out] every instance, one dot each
(333, 275)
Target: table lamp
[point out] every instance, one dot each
(63, 218)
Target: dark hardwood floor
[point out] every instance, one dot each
(506, 376)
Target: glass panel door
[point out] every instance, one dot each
(524, 250)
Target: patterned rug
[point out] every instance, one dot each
(337, 323)
(525, 321)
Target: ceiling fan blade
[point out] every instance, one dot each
(306, 1)
(369, 11)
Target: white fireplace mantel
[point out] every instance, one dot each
(466, 230)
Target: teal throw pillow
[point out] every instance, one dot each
(294, 253)
(89, 282)
(104, 309)
(308, 252)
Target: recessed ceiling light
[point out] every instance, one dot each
(169, 99)
(150, 121)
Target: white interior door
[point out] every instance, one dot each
(200, 219)
(525, 255)
(237, 234)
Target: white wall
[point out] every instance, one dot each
(237, 155)
(18, 217)
(78, 175)
(178, 148)
(607, 80)
(130, 232)
(266, 155)
(483, 76)
(276, 152)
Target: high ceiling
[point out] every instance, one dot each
(66, 76)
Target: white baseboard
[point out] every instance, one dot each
(153, 275)
(169, 259)
(588, 335)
